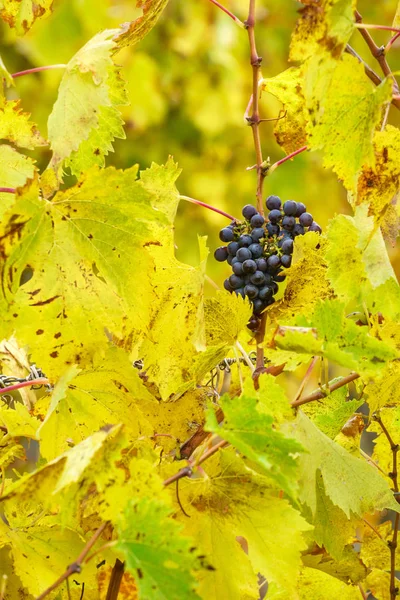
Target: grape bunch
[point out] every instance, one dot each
(259, 249)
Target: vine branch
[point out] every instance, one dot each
(75, 567)
(394, 590)
(319, 394)
(115, 580)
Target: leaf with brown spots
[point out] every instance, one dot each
(134, 31)
(21, 14)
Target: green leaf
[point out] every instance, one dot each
(290, 130)
(134, 31)
(15, 170)
(343, 124)
(251, 431)
(161, 559)
(84, 120)
(327, 24)
(21, 14)
(351, 483)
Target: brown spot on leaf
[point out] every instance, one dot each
(54, 354)
(40, 331)
(157, 243)
(43, 302)
(57, 335)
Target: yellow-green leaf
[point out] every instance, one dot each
(21, 14)
(16, 127)
(134, 31)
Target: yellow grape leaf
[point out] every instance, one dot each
(378, 582)
(16, 127)
(84, 120)
(10, 450)
(390, 222)
(134, 31)
(226, 315)
(379, 183)
(396, 19)
(128, 588)
(19, 422)
(5, 76)
(382, 453)
(327, 24)
(349, 567)
(232, 501)
(14, 588)
(21, 14)
(14, 361)
(15, 170)
(108, 393)
(375, 551)
(343, 125)
(316, 585)
(290, 129)
(41, 552)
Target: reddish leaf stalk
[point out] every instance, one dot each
(394, 477)
(228, 12)
(22, 384)
(37, 70)
(391, 42)
(286, 158)
(204, 205)
(76, 566)
(8, 190)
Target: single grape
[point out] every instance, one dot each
(279, 278)
(270, 301)
(227, 285)
(237, 268)
(257, 278)
(261, 264)
(286, 260)
(287, 246)
(315, 227)
(221, 254)
(286, 235)
(232, 248)
(272, 229)
(258, 305)
(230, 259)
(248, 211)
(249, 266)
(235, 281)
(290, 208)
(243, 254)
(274, 261)
(251, 291)
(274, 216)
(267, 278)
(274, 287)
(226, 234)
(265, 293)
(306, 219)
(298, 229)
(240, 292)
(256, 250)
(257, 234)
(273, 202)
(245, 240)
(253, 323)
(301, 208)
(257, 221)
(288, 223)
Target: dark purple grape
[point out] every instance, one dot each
(288, 223)
(253, 323)
(315, 227)
(273, 202)
(273, 229)
(230, 259)
(226, 234)
(245, 240)
(251, 291)
(301, 208)
(221, 254)
(298, 229)
(270, 301)
(240, 292)
(279, 278)
(286, 260)
(257, 278)
(274, 261)
(256, 250)
(287, 246)
(274, 287)
(227, 285)
(235, 281)
(286, 235)
(290, 208)
(257, 234)
(237, 268)
(232, 248)
(306, 219)
(248, 211)
(261, 264)
(265, 293)
(274, 216)
(257, 221)
(249, 266)
(243, 254)
(258, 305)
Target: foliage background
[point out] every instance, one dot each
(189, 82)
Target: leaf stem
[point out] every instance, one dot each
(8, 190)
(286, 158)
(391, 42)
(228, 12)
(359, 25)
(37, 70)
(204, 205)
(22, 384)
(319, 394)
(76, 566)
(115, 580)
